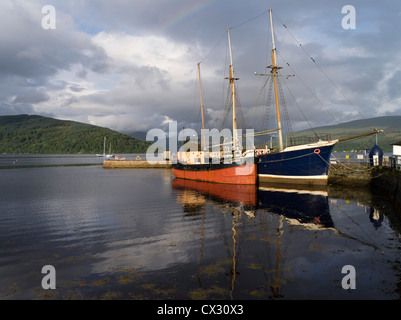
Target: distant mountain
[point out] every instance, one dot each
(390, 124)
(140, 135)
(162, 143)
(38, 134)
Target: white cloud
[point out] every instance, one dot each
(146, 76)
(335, 53)
(117, 64)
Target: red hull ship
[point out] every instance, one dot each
(242, 169)
(244, 172)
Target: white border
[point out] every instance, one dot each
(320, 177)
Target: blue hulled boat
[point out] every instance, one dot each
(299, 164)
(303, 164)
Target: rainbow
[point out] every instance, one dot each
(186, 12)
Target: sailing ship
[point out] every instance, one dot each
(297, 164)
(203, 166)
(104, 155)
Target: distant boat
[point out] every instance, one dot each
(104, 155)
(241, 170)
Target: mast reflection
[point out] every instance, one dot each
(309, 208)
(304, 206)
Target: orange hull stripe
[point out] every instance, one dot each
(245, 174)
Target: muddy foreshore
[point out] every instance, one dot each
(353, 175)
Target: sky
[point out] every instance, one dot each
(132, 65)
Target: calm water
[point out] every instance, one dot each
(141, 234)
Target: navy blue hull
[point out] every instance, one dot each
(305, 165)
(306, 207)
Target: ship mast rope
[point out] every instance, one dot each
(286, 115)
(332, 82)
(325, 74)
(329, 79)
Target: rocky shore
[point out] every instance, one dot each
(354, 175)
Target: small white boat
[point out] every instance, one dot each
(104, 155)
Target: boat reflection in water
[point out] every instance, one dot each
(297, 204)
(255, 227)
(309, 207)
(235, 193)
(233, 198)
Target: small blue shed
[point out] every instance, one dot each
(376, 156)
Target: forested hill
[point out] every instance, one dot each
(391, 134)
(37, 134)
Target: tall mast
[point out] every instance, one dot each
(200, 92)
(274, 68)
(231, 78)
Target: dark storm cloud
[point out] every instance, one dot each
(133, 63)
(30, 51)
(31, 96)
(14, 109)
(31, 55)
(394, 85)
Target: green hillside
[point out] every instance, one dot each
(37, 134)
(390, 124)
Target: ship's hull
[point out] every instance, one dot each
(241, 172)
(308, 206)
(245, 194)
(307, 165)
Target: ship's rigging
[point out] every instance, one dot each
(273, 86)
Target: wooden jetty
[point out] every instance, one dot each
(132, 164)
